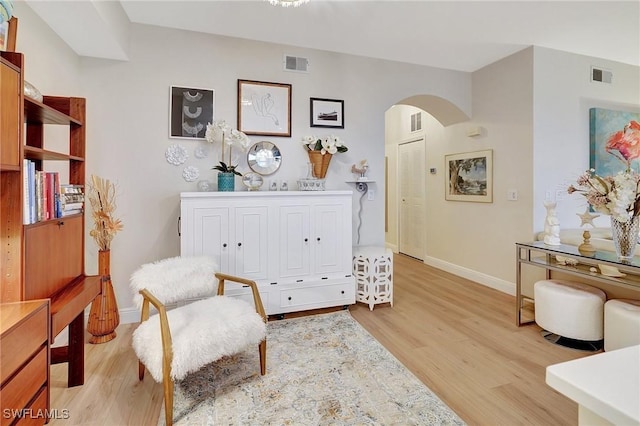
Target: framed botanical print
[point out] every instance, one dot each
(470, 176)
(264, 108)
(190, 110)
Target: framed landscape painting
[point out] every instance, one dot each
(264, 108)
(470, 176)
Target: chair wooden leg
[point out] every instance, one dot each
(262, 348)
(141, 369)
(168, 401)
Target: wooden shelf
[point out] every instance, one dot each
(38, 113)
(34, 153)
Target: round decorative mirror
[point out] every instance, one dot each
(264, 158)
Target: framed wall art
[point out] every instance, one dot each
(470, 176)
(264, 108)
(190, 110)
(603, 124)
(327, 113)
(8, 31)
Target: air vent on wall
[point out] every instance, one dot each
(601, 75)
(297, 64)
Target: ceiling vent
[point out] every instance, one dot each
(601, 75)
(296, 64)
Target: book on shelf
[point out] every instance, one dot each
(66, 213)
(43, 195)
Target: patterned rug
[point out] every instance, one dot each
(321, 370)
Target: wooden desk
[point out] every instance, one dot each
(606, 386)
(542, 255)
(24, 361)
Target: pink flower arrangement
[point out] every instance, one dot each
(619, 195)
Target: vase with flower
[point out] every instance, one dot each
(221, 132)
(320, 151)
(617, 196)
(104, 316)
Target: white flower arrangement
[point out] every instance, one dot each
(221, 132)
(329, 144)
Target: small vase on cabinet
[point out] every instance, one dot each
(226, 182)
(104, 316)
(625, 237)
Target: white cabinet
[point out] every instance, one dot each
(295, 245)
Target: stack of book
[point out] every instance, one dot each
(72, 197)
(45, 198)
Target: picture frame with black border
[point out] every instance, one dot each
(264, 108)
(326, 113)
(190, 110)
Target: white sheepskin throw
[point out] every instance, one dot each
(202, 332)
(176, 278)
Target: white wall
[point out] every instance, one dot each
(127, 122)
(476, 240)
(563, 95)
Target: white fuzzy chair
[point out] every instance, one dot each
(182, 340)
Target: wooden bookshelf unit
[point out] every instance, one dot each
(43, 260)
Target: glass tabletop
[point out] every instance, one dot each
(598, 255)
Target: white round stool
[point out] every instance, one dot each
(571, 310)
(621, 323)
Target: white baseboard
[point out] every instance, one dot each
(470, 274)
(129, 315)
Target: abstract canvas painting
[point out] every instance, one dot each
(603, 123)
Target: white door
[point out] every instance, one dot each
(295, 241)
(327, 234)
(211, 235)
(250, 246)
(411, 179)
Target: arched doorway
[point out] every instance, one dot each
(410, 127)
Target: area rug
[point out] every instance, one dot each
(321, 370)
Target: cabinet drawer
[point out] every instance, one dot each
(53, 256)
(325, 295)
(21, 388)
(21, 343)
(37, 411)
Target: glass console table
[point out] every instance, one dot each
(544, 256)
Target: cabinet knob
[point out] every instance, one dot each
(342, 292)
(224, 245)
(60, 223)
(306, 239)
(289, 298)
(318, 238)
(239, 244)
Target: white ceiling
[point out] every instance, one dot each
(458, 35)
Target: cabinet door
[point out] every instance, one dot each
(53, 256)
(210, 235)
(10, 117)
(250, 245)
(327, 238)
(295, 241)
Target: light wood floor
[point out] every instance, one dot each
(456, 336)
